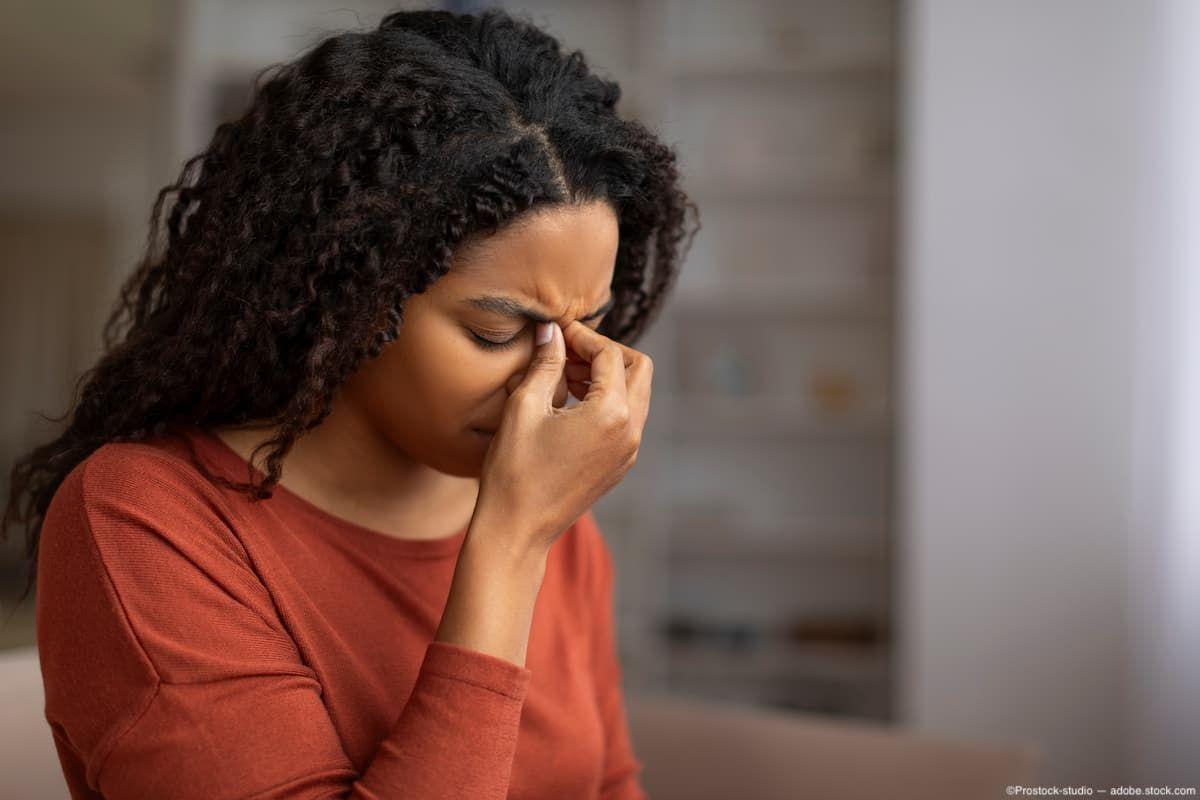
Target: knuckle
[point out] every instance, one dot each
(619, 416)
(614, 419)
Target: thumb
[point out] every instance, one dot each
(549, 359)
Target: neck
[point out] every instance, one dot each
(349, 468)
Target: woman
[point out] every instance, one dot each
(386, 276)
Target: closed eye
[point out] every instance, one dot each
(491, 344)
(505, 344)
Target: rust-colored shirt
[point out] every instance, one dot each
(196, 644)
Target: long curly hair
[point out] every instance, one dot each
(294, 237)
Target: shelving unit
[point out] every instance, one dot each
(761, 501)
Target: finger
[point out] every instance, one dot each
(578, 372)
(578, 390)
(545, 370)
(638, 381)
(587, 343)
(608, 376)
(573, 357)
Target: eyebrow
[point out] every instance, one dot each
(508, 307)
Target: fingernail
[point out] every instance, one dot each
(543, 332)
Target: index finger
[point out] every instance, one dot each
(588, 343)
(609, 359)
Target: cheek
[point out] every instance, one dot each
(447, 374)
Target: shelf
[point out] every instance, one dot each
(748, 426)
(719, 415)
(764, 70)
(699, 548)
(854, 699)
(712, 522)
(741, 301)
(775, 662)
(866, 541)
(742, 190)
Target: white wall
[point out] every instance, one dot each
(1030, 181)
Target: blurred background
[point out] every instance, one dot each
(925, 444)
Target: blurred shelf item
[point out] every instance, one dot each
(831, 630)
(721, 636)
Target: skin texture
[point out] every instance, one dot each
(397, 454)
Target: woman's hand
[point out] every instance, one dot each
(546, 466)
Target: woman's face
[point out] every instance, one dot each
(465, 343)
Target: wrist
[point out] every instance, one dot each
(493, 593)
(505, 540)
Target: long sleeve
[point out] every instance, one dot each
(621, 767)
(168, 672)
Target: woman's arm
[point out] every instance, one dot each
(493, 592)
(168, 672)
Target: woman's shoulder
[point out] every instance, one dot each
(163, 464)
(164, 454)
(146, 487)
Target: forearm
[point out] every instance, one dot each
(493, 592)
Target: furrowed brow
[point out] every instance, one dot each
(508, 307)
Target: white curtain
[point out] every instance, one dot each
(1164, 554)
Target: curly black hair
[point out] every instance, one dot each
(294, 237)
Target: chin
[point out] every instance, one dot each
(462, 458)
(466, 470)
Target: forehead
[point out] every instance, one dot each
(555, 257)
